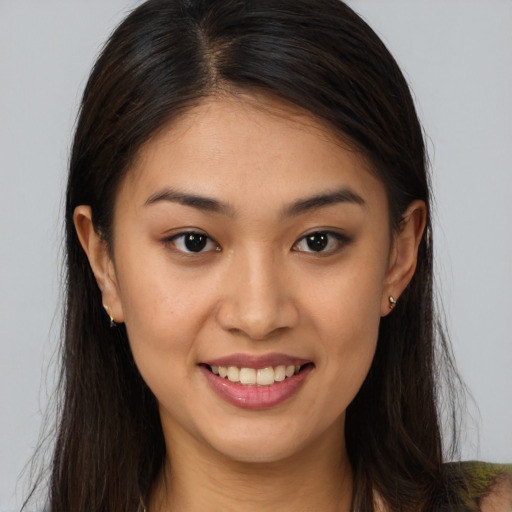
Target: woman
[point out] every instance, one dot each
(249, 318)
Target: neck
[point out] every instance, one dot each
(318, 478)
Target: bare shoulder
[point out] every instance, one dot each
(499, 496)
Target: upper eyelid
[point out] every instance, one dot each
(340, 237)
(328, 231)
(182, 233)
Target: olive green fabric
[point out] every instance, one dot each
(480, 477)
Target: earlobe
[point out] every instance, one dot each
(100, 261)
(404, 255)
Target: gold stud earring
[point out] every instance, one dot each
(392, 303)
(112, 321)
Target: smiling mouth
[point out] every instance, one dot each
(257, 377)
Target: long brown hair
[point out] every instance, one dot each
(319, 56)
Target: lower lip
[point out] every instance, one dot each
(256, 397)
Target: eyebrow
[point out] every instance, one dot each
(343, 195)
(208, 204)
(203, 203)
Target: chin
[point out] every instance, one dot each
(258, 453)
(262, 442)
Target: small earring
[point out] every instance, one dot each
(112, 321)
(392, 303)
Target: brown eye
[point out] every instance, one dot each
(193, 242)
(317, 241)
(321, 241)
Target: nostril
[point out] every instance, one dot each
(255, 313)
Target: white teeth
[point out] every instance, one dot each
(265, 376)
(280, 373)
(233, 374)
(247, 376)
(261, 377)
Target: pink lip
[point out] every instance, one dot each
(252, 361)
(255, 397)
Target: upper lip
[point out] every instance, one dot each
(257, 361)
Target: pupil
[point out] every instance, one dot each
(195, 242)
(317, 241)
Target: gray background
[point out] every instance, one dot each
(457, 55)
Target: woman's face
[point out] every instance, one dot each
(248, 241)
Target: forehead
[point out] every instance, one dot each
(259, 107)
(247, 143)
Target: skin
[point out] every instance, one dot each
(499, 499)
(257, 289)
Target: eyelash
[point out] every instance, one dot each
(175, 240)
(203, 241)
(340, 240)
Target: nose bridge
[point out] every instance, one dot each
(256, 300)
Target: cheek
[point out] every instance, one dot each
(162, 315)
(350, 342)
(161, 331)
(349, 348)
(346, 312)
(347, 302)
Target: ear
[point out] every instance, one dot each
(101, 263)
(404, 253)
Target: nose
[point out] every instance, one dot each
(257, 298)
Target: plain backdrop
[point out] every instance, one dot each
(457, 56)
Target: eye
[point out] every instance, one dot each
(320, 241)
(193, 242)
